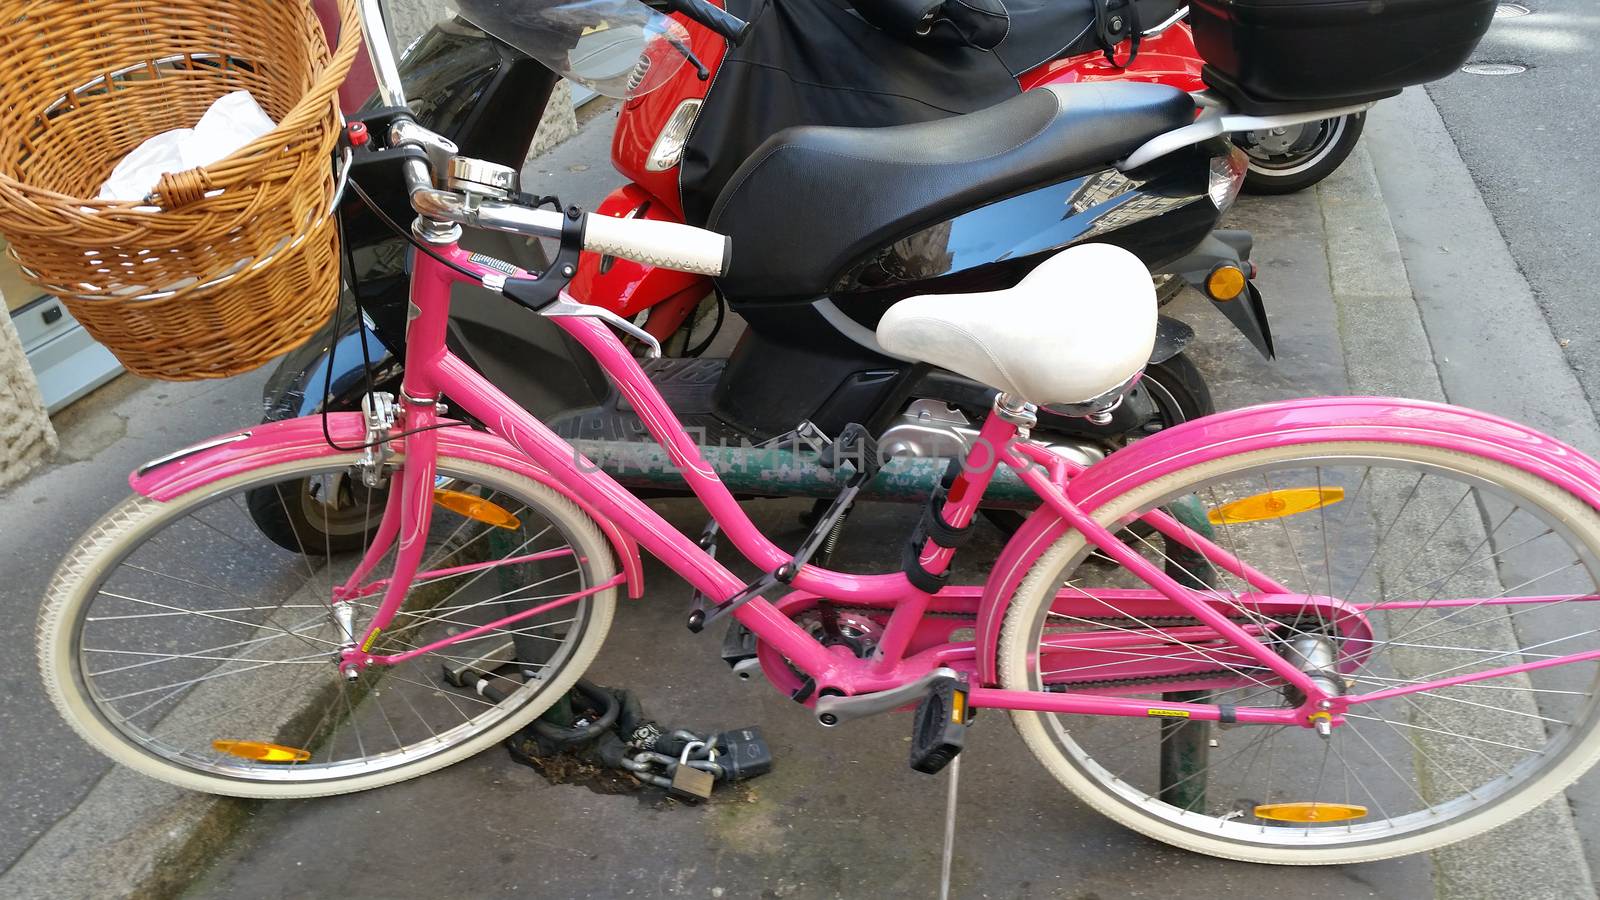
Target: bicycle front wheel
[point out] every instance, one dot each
(184, 643)
(1457, 564)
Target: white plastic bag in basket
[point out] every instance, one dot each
(232, 121)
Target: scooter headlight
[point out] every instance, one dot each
(668, 148)
(1227, 177)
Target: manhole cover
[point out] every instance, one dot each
(1510, 10)
(1494, 68)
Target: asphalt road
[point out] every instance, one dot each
(1529, 141)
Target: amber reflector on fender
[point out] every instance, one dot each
(1310, 811)
(475, 508)
(261, 752)
(1274, 505)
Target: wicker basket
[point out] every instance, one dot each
(234, 263)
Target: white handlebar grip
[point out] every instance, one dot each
(665, 244)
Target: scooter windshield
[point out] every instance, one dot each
(620, 48)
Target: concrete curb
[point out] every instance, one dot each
(1492, 344)
(1392, 347)
(130, 837)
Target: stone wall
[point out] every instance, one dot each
(26, 437)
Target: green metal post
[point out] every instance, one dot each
(1185, 743)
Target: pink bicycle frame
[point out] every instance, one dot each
(432, 371)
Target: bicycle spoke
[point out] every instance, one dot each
(209, 630)
(1391, 766)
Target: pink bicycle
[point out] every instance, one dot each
(1381, 623)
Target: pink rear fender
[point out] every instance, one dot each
(296, 439)
(1274, 425)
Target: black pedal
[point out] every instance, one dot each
(939, 730)
(742, 753)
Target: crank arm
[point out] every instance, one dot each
(833, 710)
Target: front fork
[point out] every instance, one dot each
(406, 517)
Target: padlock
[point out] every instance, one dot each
(743, 753)
(691, 781)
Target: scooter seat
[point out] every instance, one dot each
(812, 200)
(1079, 325)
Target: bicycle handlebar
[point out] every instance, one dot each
(730, 26)
(668, 245)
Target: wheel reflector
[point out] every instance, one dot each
(1274, 505)
(476, 508)
(1310, 811)
(261, 752)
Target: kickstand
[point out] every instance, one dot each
(949, 828)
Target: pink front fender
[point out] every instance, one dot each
(1273, 425)
(296, 439)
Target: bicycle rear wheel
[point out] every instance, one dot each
(182, 642)
(1459, 564)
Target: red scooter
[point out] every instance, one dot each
(651, 134)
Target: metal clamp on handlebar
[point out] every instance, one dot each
(405, 132)
(538, 293)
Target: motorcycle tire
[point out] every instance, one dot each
(1278, 169)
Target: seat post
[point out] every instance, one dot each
(1017, 411)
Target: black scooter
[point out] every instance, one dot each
(811, 291)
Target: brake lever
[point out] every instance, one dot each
(566, 306)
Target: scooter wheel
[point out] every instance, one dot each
(1286, 160)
